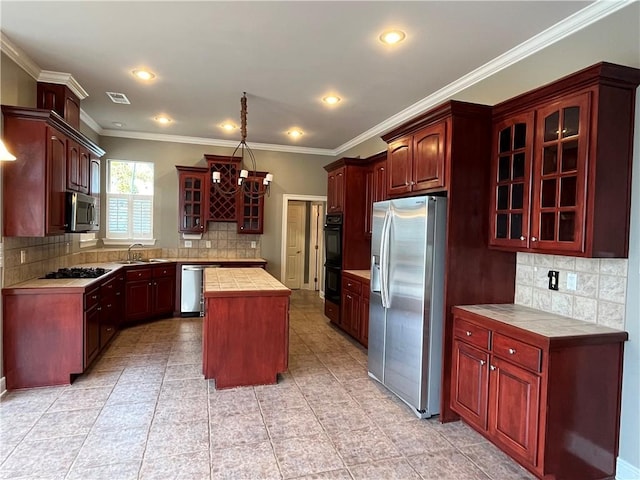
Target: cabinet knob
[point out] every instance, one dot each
(468, 333)
(110, 329)
(482, 362)
(523, 238)
(94, 297)
(406, 184)
(149, 283)
(534, 239)
(492, 367)
(512, 351)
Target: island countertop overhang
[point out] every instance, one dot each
(232, 282)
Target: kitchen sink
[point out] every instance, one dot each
(142, 261)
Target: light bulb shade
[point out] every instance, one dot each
(265, 182)
(215, 176)
(269, 178)
(5, 156)
(239, 181)
(244, 173)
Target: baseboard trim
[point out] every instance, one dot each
(626, 471)
(3, 385)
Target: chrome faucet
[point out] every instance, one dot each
(129, 250)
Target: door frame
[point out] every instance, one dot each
(285, 211)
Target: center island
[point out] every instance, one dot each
(245, 338)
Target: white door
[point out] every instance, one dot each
(295, 244)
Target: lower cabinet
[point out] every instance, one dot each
(550, 402)
(354, 315)
(149, 292)
(91, 326)
(111, 307)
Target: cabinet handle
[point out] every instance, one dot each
(109, 329)
(523, 238)
(348, 284)
(534, 239)
(512, 351)
(139, 274)
(468, 333)
(93, 297)
(109, 306)
(492, 367)
(382, 169)
(482, 362)
(99, 308)
(117, 293)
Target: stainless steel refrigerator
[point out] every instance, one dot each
(407, 296)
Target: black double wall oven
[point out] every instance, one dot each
(333, 257)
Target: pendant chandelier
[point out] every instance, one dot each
(242, 183)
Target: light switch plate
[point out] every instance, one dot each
(208, 243)
(572, 281)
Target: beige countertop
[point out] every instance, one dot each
(234, 280)
(364, 274)
(113, 266)
(537, 321)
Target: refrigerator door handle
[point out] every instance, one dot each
(384, 260)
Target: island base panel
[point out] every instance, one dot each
(246, 340)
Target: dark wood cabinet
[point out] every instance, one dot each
(111, 307)
(250, 204)
(533, 395)
(561, 165)
(34, 187)
(193, 199)
(150, 292)
(61, 99)
(138, 293)
(354, 308)
(78, 159)
(416, 162)
(91, 326)
(375, 187)
(335, 190)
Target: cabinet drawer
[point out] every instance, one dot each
(169, 271)
(111, 285)
(91, 299)
(517, 352)
(139, 274)
(472, 333)
(332, 311)
(352, 285)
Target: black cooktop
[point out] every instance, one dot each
(78, 272)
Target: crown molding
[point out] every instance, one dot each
(18, 56)
(62, 78)
(90, 122)
(160, 137)
(573, 23)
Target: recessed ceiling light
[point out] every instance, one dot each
(228, 126)
(142, 74)
(295, 133)
(331, 99)
(391, 37)
(163, 119)
(118, 124)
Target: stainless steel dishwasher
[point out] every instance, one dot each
(191, 296)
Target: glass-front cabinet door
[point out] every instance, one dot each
(511, 179)
(559, 176)
(193, 202)
(251, 204)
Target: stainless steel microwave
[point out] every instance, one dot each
(82, 213)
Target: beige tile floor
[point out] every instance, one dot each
(144, 411)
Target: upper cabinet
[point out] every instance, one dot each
(416, 162)
(34, 185)
(561, 165)
(335, 190)
(375, 187)
(193, 201)
(251, 204)
(60, 99)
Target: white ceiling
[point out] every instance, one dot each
(285, 55)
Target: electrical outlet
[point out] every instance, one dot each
(253, 244)
(67, 247)
(187, 244)
(572, 281)
(208, 243)
(23, 256)
(553, 279)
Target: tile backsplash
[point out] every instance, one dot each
(47, 254)
(600, 293)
